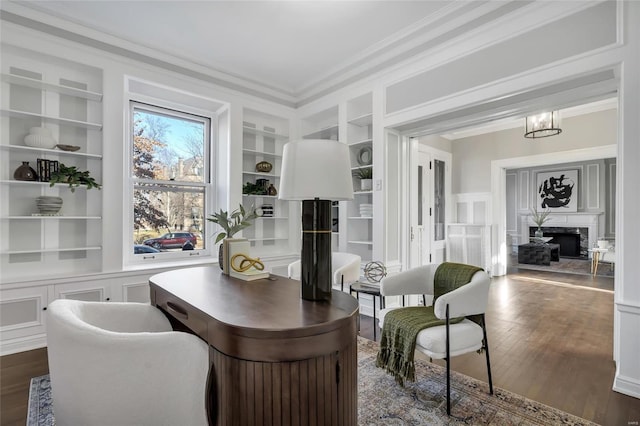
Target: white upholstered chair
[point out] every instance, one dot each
(345, 269)
(121, 364)
(445, 341)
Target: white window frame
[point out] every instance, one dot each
(177, 110)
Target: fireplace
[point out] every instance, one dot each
(574, 242)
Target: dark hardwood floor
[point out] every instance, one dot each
(550, 338)
(16, 372)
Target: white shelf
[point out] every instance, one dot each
(361, 217)
(255, 131)
(369, 243)
(363, 120)
(268, 239)
(49, 151)
(54, 250)
(273, 217)
(50, 119)
(29, 182)
(324, 133)
(368, 166)
(39, 84)
(264, 154)
(259, 196)
(246, 172)
(362, 142)
(53, 217)
(362, 192)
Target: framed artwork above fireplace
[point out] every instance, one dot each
(557, 191)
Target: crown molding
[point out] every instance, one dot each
(443, 34)
(45, 23)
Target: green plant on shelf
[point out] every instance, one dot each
(363, 173)
(73, 177)
(250, 188)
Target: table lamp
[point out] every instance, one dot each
(316, 172)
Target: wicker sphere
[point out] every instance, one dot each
(375, 271)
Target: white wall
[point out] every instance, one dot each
(472, 156)
(437, 142)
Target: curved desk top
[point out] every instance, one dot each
(260, 320)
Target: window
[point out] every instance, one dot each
(170, 180)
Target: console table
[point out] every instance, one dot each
(275, 358)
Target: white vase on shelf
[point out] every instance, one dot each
(366, 184)
(40, 137)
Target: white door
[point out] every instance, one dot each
(419, 232)
(430, 186)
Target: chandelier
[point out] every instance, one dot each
(542, 125)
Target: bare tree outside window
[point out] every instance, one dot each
(170, 175)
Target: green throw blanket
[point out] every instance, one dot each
(401, 326)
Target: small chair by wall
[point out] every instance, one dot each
(121, 363)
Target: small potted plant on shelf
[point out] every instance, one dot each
(238, 220)
(73, 177)
(539, 218)
(365, 174)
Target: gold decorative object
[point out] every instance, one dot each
(264, 167)
(246, 263)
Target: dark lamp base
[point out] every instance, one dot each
(316, 250)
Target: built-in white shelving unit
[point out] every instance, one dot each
(359, 227)
(264, 136)
(66, 98)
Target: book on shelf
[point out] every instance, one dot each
(370, 284)
(243, 247)
(46, 168)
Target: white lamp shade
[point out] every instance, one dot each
(316, 168)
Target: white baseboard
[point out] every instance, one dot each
(22, 344)
(627, 386)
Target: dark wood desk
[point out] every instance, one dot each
(275, 358)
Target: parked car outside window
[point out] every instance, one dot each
(141, 249)
(172, 240)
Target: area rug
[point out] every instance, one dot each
(382, 402)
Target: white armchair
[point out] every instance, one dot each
(345, 269)
(445, 341)
(121, 363)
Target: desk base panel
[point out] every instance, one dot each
(317, 391)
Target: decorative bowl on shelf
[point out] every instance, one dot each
(68, 147)
(40, 137)
(365, 156)
(49, 205)
(264, 167)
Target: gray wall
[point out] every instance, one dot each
(472, 156)
(596, 192)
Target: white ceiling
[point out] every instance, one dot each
(293, 48)
(286, 45)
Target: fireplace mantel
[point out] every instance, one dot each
(579, 220)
